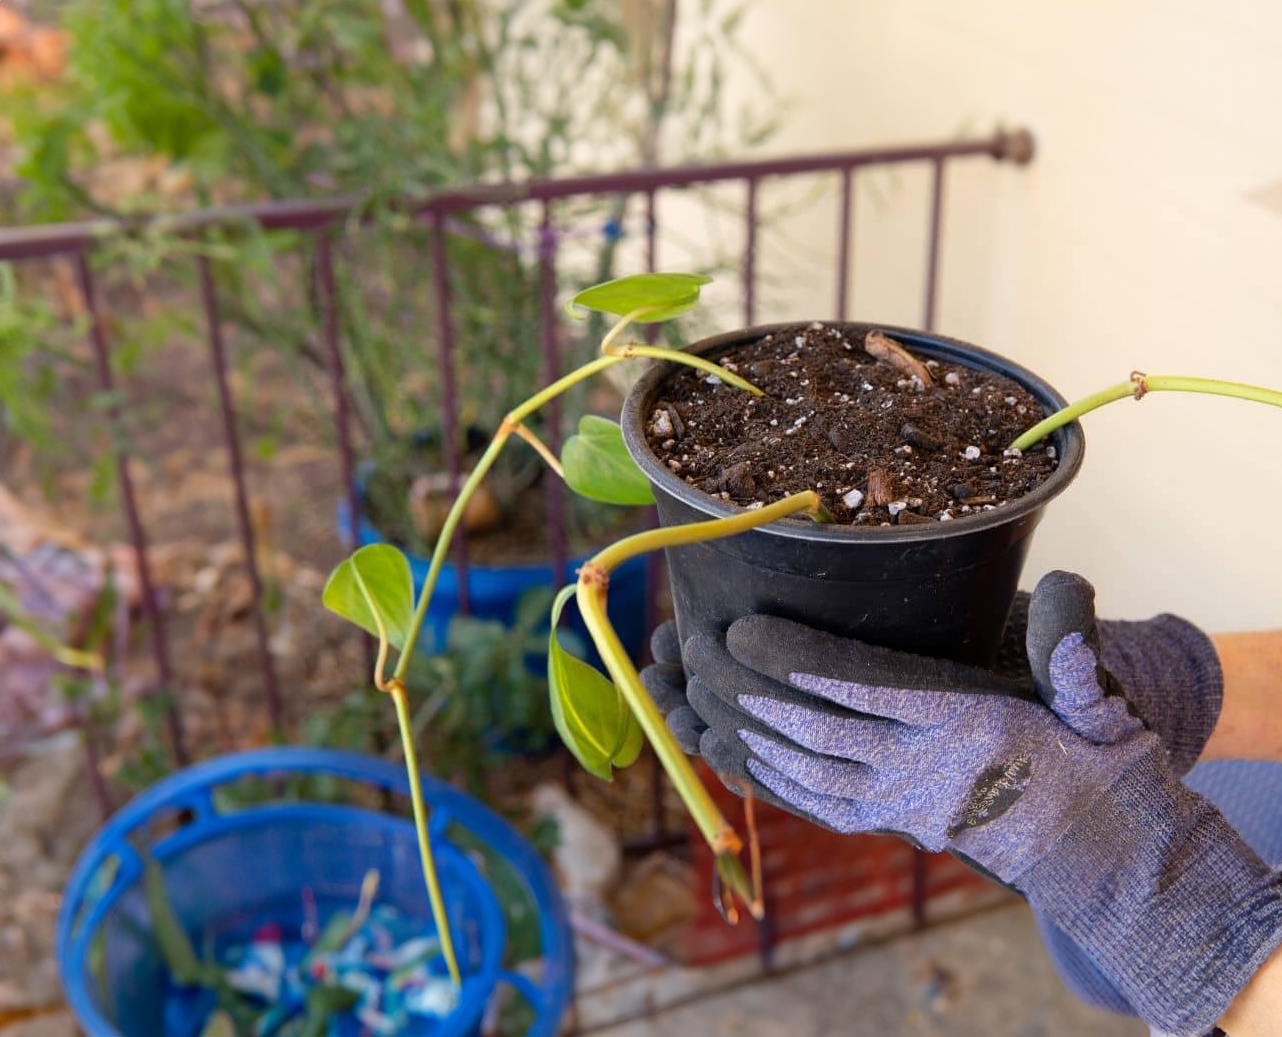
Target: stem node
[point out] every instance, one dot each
(593, 575)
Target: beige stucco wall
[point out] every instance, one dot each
(1147, 234)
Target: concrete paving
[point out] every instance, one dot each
(982, 976)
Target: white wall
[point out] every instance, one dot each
(1146, 234)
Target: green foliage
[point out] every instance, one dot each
(590, 713)
(484, 698)
(30, 352)
(175, 946)
(478, 702)
(645, 298)
(374, 589)
(152, 758)
(597, 465)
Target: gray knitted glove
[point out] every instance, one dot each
(1074, 805)
(1165, 667)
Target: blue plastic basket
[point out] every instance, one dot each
(231, 869)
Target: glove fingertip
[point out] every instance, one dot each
(687, 728)
(703, 652)
(666, 685)
(665, 644)
(764, 643)
(1062, 605)
(723, 756)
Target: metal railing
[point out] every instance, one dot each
(323, 220)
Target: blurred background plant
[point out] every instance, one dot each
(154, 108)
(168, 105)
(480, 702)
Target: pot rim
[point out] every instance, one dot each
(1069, 441)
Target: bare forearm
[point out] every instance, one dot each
(1256, 1010)
(1250, 723)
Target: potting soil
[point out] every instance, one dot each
(879, 446)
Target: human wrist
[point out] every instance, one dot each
(1163, 896)
(1172, 675)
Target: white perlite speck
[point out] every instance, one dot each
(952, 378)
(1050, 452)
(713, 380)
(800, 340)
(1010, 401)
(1012, 452)
(853, 499)
(971, 453)
(896, 506)
(945, 516)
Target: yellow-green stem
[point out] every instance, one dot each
(1137, 387)
(540, 448)
(442, 547)
(397, 691)
(631, 349)
(622, 324)
(720, 835)
(591, 596)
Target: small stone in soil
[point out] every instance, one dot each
(853, 499)
(661, 424)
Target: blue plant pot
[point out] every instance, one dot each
(493, 591)
(229, 872)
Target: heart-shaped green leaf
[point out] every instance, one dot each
(633, 738)
(590, 714)
(597, 465)
(374, 585)
(647, 297)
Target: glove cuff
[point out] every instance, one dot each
(1163, 896)
(1171, 673)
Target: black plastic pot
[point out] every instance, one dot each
(941, 589)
